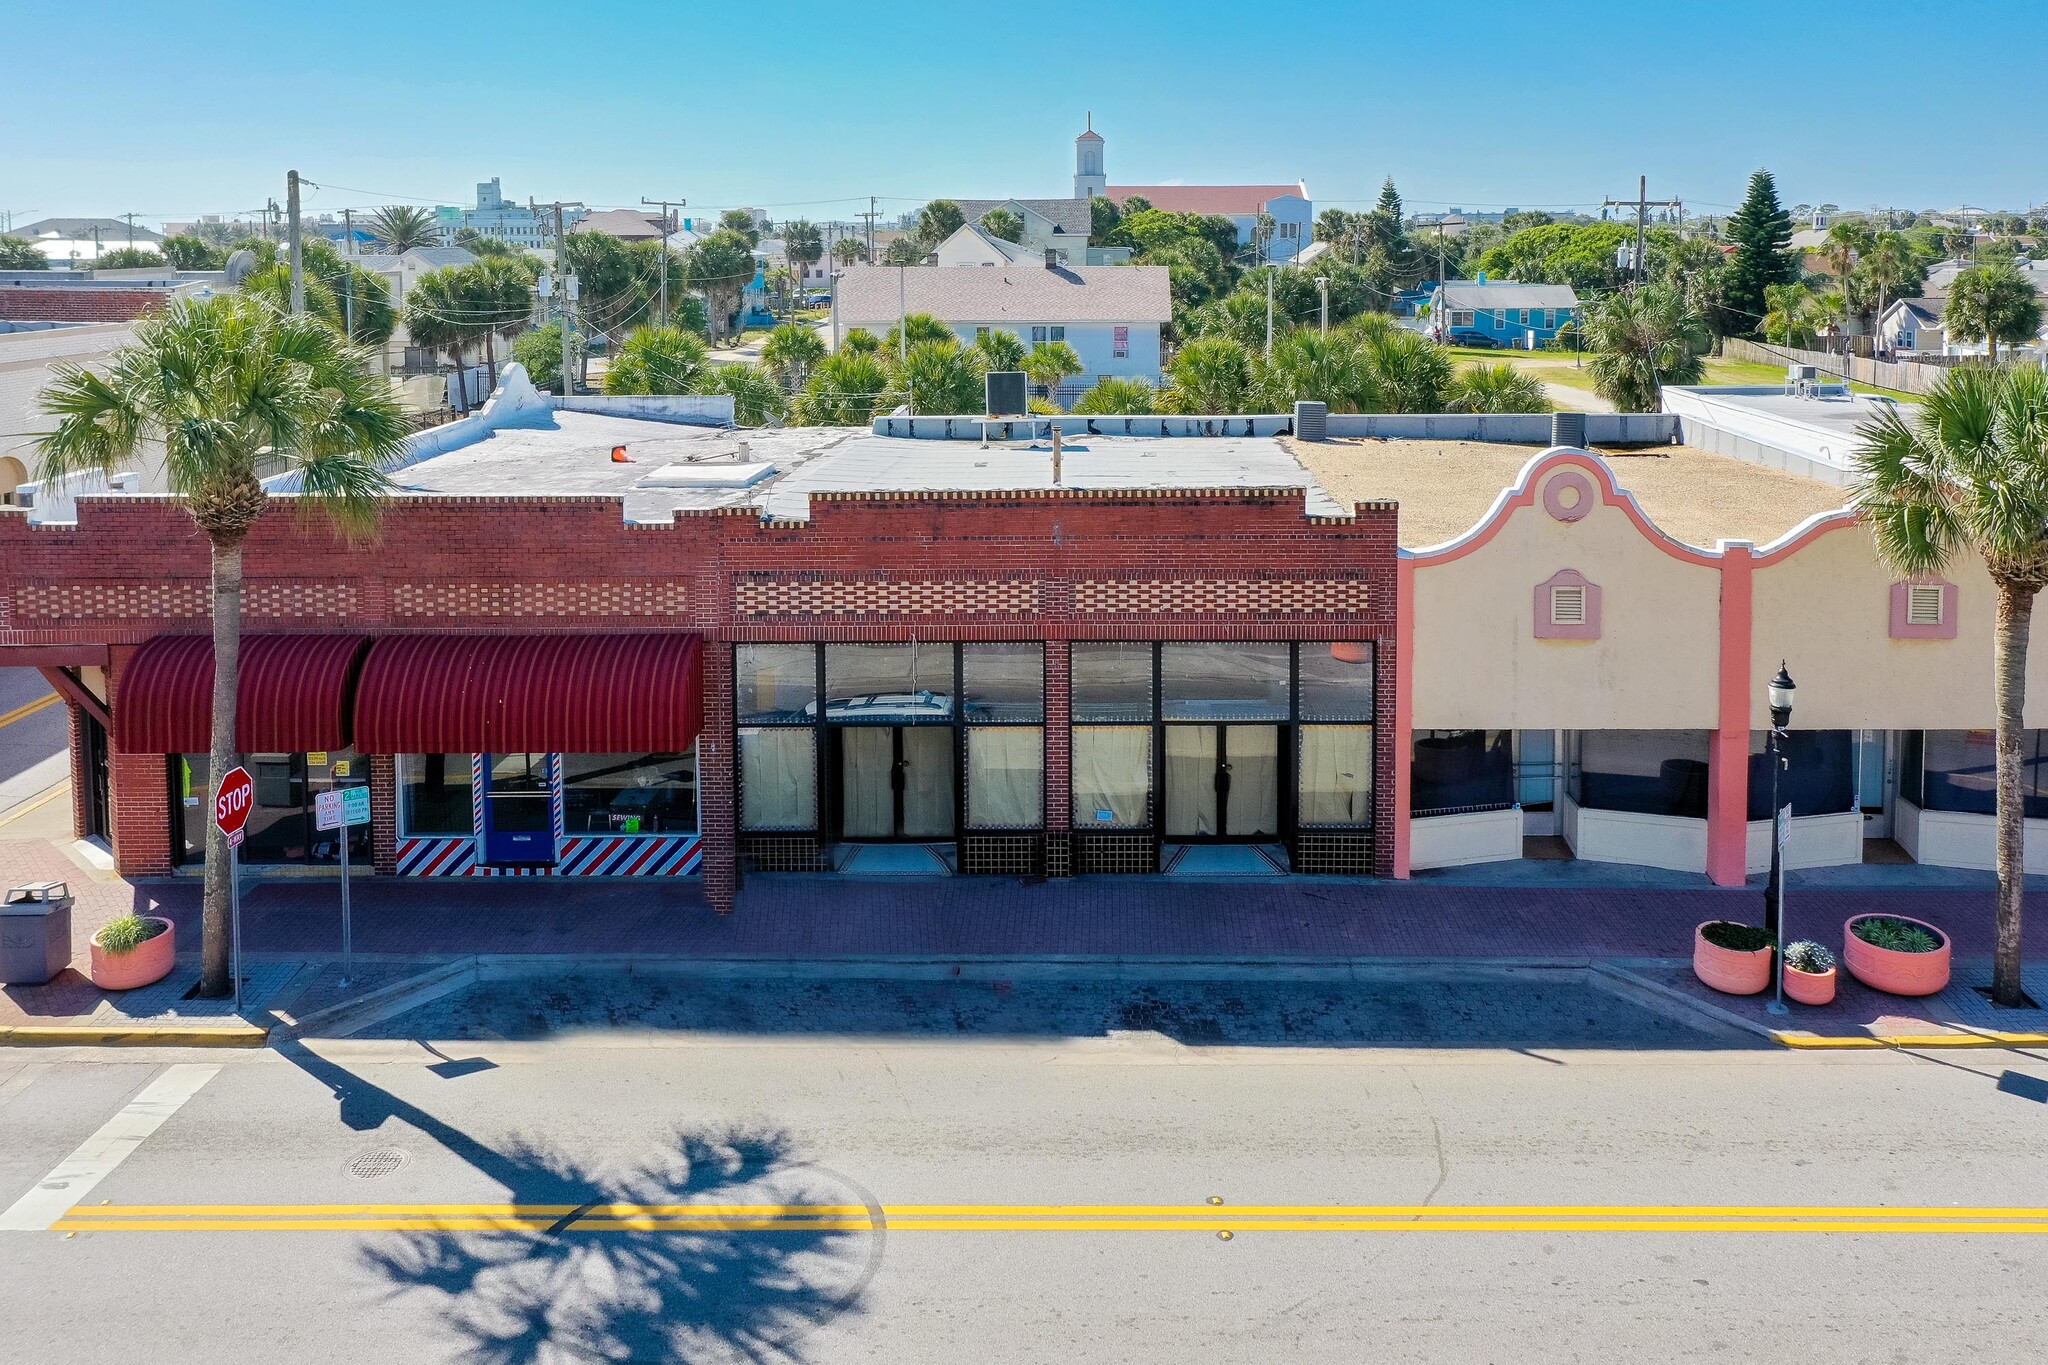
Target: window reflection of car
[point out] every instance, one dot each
(887, 708)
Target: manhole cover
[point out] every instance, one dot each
(376, 1165)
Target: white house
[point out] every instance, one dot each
(1109, 314)
(1292, 211)
(1911, 325)
(973, 246)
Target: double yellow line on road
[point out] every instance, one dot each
(27, 709)
(1205, 1218)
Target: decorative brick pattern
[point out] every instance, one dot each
(627, 597)
(287, 598)
(1222, 596)
(769, 595)
(159, 600)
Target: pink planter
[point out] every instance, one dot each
(1810, 988)
(1896, 973)
(1729, 971)
(151, 961)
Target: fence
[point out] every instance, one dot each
(1905, 376)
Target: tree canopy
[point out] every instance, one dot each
(1994, 303)
(1762, 234)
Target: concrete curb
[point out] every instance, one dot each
(97, 1035)
(1802, 1040)
(373, 1007)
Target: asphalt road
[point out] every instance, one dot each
(32, 735)
(922, 1196)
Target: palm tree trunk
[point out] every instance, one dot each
(2015, 613)
(214, 971)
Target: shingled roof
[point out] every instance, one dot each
(980, 294)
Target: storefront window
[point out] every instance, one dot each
(1111, 681)
(775, 683)
(779, 778)
(1956, 770)
(191, 802)
(434, 795)
(1336, 775)
(1819, 779)
(1213, 681)
(1005, 777)
(1649, 772)
(629, 793)
(889, 684)
(1112, 777)
(1336, 680)
(1462, 770)
(1004, 682)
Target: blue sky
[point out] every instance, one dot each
(173, 109)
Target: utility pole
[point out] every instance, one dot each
(1269, 309)
(870, 216)
(1323, 288)
(348, 232)
(667, 226)
(291, 200)
(903, 318)
(131, 230)
(567, 292)
(1642, 204)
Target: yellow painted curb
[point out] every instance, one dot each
(1816, 1042)
(84, 1035)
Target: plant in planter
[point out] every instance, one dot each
(1895, 953)
(1809, 973)
(1732, 958)
(134, 950)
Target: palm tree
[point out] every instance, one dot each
(919, 327)
(222, 383)
(1211, 376)
(803, 246)
(1404, 371)
(1309, 366)
(905, 251)
(401, 227)
(1643, 339)
(1890, 266)
(1847, 239)
(1003, 224)
(1001, 349)
(847, 250)
(859, 341)
(437, 317)
(1500, 387)
(659, 360)
(1995, 302)
(937, 221)
(1050, 364)
(1970, 473)
(756, 397)
(499, 293)
(1118, 397)
(844, 390)
(1792, 315)
(938, 377)
(790, 352)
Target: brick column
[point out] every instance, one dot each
(717, 810)
(383, 813)
(139, 794)
(75, 727)
(1728, 761)
(1059, 804)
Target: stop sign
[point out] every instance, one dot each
(231, 803)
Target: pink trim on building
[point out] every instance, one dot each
(1728, 755)
(1903, 626)
(1548, 626)
(1403, 739)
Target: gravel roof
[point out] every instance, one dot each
(966, 294)
(1445, 487)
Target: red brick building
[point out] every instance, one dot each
(682, 670)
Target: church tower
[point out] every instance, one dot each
(1088, 177)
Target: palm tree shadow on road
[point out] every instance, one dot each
(514, 1297)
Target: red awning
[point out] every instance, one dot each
(293, 694)
(565, 694)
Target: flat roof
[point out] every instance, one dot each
(1839, 415)
(572, 457)
(1445, 487)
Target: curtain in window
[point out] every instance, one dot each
(1005, 778)
(1336, 775)
(1191, 781)
(778, 779)
(927, 783)
(1253, 752)
(867, 794)
(1112, 776)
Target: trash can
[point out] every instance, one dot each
(35, 933)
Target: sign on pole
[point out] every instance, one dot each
(233, 799)
(342, 806)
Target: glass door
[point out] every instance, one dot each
(895, 782)
(519, 814)
(1222, 782)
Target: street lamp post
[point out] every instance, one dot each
(1779, 691)
(835, 310)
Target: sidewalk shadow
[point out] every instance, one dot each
(528, 1296)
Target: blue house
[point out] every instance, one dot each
(1499, 312)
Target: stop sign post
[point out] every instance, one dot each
(233, 799)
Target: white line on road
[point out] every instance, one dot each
(77, 1174)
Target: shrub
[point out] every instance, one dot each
(1882, 931)
(1808, 956)
(1737, 938)
(129, 932)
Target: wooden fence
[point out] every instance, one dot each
(1906, 376)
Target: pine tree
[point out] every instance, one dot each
(1762, 233)
(1390, 199)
